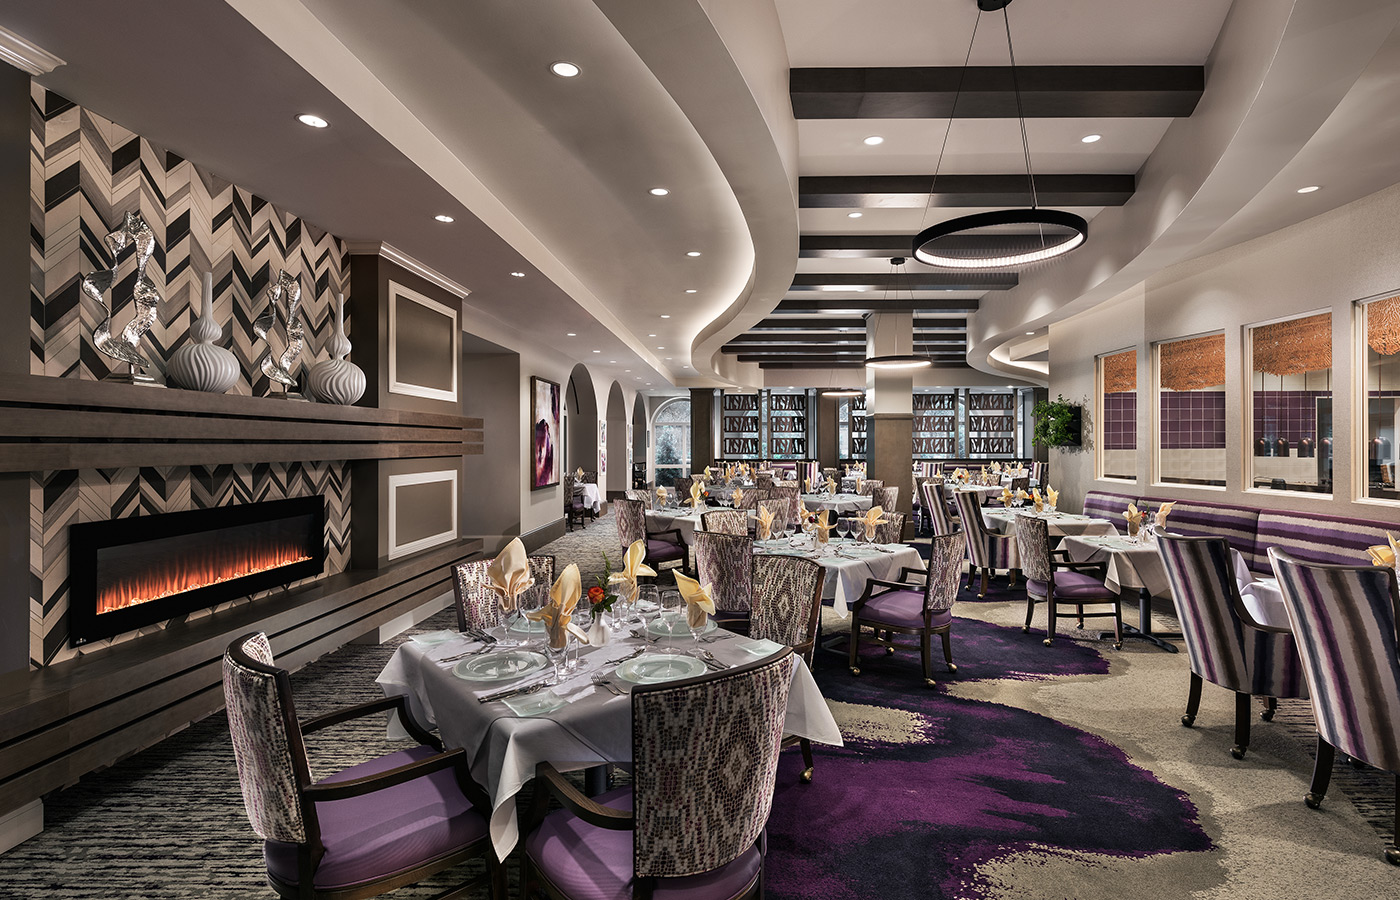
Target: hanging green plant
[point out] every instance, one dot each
(1057, 423)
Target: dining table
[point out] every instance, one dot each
(841, 504)
(1133, 564)
(682, 519)
(848, 563)
(592, 498)
(1260, 593)
(575, 724)
(1059, 524)
(988, 491)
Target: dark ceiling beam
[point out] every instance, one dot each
(829, 339)
(987, 92)
(812, 304)
(831, 323)
(912, 191)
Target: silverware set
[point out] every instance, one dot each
(488, 643)
(711, 662)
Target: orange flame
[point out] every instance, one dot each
(219, 565)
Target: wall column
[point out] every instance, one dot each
(702, 428)
(890, 408)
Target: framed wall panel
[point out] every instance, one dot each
(422, 511)
(546, 431)
(423, 345)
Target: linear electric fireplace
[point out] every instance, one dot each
(128, 573)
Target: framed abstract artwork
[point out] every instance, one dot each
(546, 454)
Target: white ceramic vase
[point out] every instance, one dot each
(203, 365)
(335, 380)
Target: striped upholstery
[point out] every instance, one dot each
(1040, 472)
(1223, 648)
(938, 511)
(1314, 539)
(985, 549)
(725, 561)
(1346, 619)
(1192, 518)
(725, 521)
(1107, 505)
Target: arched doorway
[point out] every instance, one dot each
(581, 427)
(616, 446)
(670, 427)
(639, 432)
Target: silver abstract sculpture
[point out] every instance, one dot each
(202, 365)
(135, 233)
(335, 380)
(284, 302)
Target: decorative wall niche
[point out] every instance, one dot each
(422, 511)
(423, 345)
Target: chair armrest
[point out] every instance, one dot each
(549, 783)
(1078, 566)
(905, 572)
(397, 704)
(356, 787)
(880, 582)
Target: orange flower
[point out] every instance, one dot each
(595, 594)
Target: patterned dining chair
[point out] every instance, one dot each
(1021, 484)
(1224, 644)
(326, 838)
(725, 561)
(869, 486)
(479, 607)
(781, 510)
(1059, 583)
(885, 497)
(764, 482)
(891, 531)
(574, 507)
(907, 608)
(751, 498)
(787, 603)
(648, 497)
(666, 546)
(987, 551)
(704, 761)
(790, 495)
(725, 521)
(943, 521)
(1345, 618)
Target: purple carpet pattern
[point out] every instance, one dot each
(933, 786)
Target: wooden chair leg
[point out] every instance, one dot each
(1193, 701)
(1117, 626)
(806, 776)
(924, 640)
(1392, 853)
(1270, 707)
(1050, 623)
(855, 645)
(1030, 613)
(1242, 716)
(947, 636)
(1322, 774)
(983, 592)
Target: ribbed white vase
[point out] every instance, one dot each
(203, 365)
(335, 380)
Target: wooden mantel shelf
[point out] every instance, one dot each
(49, 424)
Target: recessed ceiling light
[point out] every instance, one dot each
(692, 253)
(665, 316)
(517, 274)
(571, 334)
(651, 335)
(661, 348)
(626, 370)
(597, 351)
(442, 218)
(564, 69)
(690, 290)
(873, 140)
(313, 121)
(1030, 332)
(1308, 190)
(648, 384)
(659, 192)
(668, 359)
(854, 215)
(1090, 138)
(612, 362)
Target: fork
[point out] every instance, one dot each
(601, 680)
(708, 658)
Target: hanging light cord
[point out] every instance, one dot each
(1020, 113)
(938, 167)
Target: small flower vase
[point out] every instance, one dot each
(335, 380)
(203, 365)
(599, 633)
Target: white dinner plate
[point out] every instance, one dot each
(675, 626)
(537, 704)
(654, 668)
(502, 665)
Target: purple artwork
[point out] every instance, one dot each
(544, 433)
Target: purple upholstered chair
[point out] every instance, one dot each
(1345, 618)
(943, 521)
(987, 551)
(725, 561)
(892, 530)
(787, 603)
(327, 838)
(479, 607)
(574, 507)
(704, 759)
(1224, 643)
(1056, 582)
(725, 521)
(662, 546)
(906, 608)
(791, 496)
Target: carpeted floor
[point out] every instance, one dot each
(1034, 773)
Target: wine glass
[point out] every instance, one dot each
(671, 606)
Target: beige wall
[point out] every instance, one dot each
(1324, 263)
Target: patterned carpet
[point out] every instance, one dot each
(1036, 772)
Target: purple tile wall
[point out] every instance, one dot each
(1291, 415)
(1193, 419)
(1120, 420)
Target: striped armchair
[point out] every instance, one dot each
(987, 551)
(1345, 618)
(1224, 643)
(943, 522)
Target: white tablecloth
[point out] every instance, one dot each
(842, 504)
(1260, 593)
(1003, 521)
(591, 497)
(594, 728)
(847, 573)
(986, 490)
(682, 519)
(1132, 567)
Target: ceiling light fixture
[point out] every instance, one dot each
(692, 253)
(571, 334)
(1028, 333)
(1056, 232)
(873, 141)
(855, 215)
(1309, 189)
(659, 192)
(894, 360)
(597, 351)
(842, 392)
(690, 290)
(664, 316)
(313, 121)
(564, 69)
(517, 274)
(442, 218)
(1091, 139)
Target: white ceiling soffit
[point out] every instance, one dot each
(1277, 74)
(560, 168)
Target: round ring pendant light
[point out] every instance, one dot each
(898, 361)
(1003, 238)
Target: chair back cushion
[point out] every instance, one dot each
(938, 508)
(1325, 540)
(787, 598)
(645, 496)
(631, 522)
(790, 495)
(892, 531)
(782, 512)
(725, 521)
(886, 497)
(269, 757)
(946, 555)
(725, 562)
(1021, 484)
(1344, 617)
(705, 753)
(1033, 542)
(1040, 472)
(870, 485)
(477, 606)
(1108, 505)
(752, 498)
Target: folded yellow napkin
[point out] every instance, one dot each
(558, 613)
(697, 493)
(509, 574)
(698, 604)
(873, 517)
(765, 523)
(802, 513)
(578, 473)
(661, 494)
(831, 485)
(1162, 512)
(1038, 500)
(1382, 555)
(1052, 495)
(707, 473)
(1134, 517)
(996, 467)
(1007, 497)
(859, 483)
(808, 482)
(632, 569)
(823, 526)
(737, 497)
